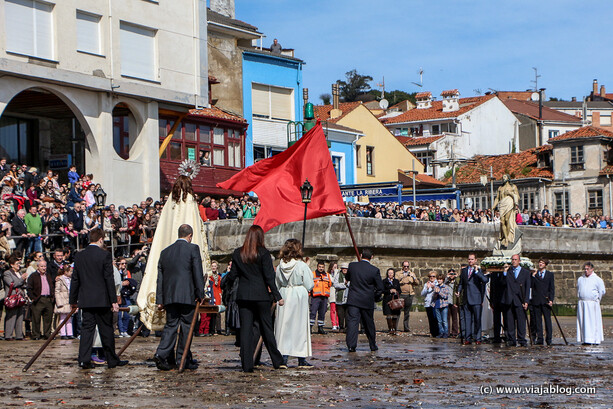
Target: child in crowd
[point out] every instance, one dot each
(62, 305)
(440, 302)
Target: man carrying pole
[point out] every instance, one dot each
(180, 287)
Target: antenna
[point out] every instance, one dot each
(382, 85)
(421, 78)
(535, 81)
(477, 91)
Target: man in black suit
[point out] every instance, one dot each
(365, 288)
(543, 292)
(19, 228)
(496, 290)
(93, 291)
(180, 284)
(515, 301)
(472, 284)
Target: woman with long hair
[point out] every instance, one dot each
(62, 304)
(252, 265)
(292, 328)
(181, 208)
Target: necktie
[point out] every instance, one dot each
(470, 272)
(542, 274)
(516, 272)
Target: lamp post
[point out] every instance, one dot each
(306, 190)
(100, 196)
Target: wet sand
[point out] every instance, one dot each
(408, 371)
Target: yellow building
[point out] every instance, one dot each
(379, 155)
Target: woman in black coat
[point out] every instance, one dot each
(391, 289)
(252, 265)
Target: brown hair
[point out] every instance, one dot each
(182, 188)
(253, 241)
(95, 235)
(291, 249)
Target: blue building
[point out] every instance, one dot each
(272, 96)
(342, 150)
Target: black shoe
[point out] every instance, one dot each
(191, 365)
(118, 363)
(321, 331)
(511, 344)
(539, 343)
(302, 363)
(351, 349)
(86, 365)
(497, 341)
(161, 363)
(375, 348)
(35, 338)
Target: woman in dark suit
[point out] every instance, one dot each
(252, 264)
(13, 321)
(391, 289)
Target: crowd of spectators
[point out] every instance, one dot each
(433, 212)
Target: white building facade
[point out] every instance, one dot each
(83, 82)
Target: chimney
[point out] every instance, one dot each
(602, 91)
(424, 100)
(595, 87)
(574, 99)
(335, 112)
(223, 7)
(451, 100)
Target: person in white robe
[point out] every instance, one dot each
(590, 289)
(181, 208)
(294, 280)
(487, 314)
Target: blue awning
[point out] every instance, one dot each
(419, 197)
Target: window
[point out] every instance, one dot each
(88, 33)
(562, 202)
(137, 51)
(425, 158)
(436, 129)
(122, 119)
(595, 199)
(234, 149)
(553, 133)
(358, 156)
(369, 160)
(29, 28)
(272, 102)
(576, 158)
(529, 201)
(449, 127)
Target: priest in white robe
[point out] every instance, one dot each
(590, 289)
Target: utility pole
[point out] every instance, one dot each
(541, 141)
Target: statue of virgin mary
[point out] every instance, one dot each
(181, 208)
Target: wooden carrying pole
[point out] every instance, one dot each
(355, 246)
(190, 334)
(51, 337)
(132, 338)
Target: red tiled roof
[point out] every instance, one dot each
(520, 95)
(418, 140)
(422, 180)
(323, 111)
(422, 177)
(520, 165)
(450, 93)
(585, 132)
(436, 111)
(423, 94)
(531, 109)
(214, 112)
(607, 170)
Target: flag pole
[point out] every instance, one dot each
(355, 247)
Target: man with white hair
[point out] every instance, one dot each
(590, 289)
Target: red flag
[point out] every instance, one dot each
(277, 182)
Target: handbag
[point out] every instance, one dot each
(396, 303)
(14, 300)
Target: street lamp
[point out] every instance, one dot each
(306, 190)
(100, 196)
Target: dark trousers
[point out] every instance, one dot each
(515, 315)
(103, 318)
(532, 321)
(177, 315)
(472, 320)
(432, 321)
(462, 322)
(453, 320)
(542, 312)
(250, 312)
(43, 308)
(355, 315)
(498, 313)
(408, 303)
(341, 311)
(319, 305)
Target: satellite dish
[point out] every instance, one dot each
(534, 96)
(384, 103)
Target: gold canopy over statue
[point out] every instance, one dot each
(507, 199)
(181, 208)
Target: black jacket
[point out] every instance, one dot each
(473, 287)
(255, 278)
(18, 226)
(516, 289)
(76, 218)
(180, 276)
(365, 285)
(93, 284)
(543, 289)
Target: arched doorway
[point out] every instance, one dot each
(38, 129)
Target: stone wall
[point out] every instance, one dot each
(434, 246)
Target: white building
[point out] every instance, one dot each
(454, 129)
(84, 81)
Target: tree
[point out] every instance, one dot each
(325, 98)
(354, 86)
(394, 97)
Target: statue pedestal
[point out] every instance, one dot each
(507, 252)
